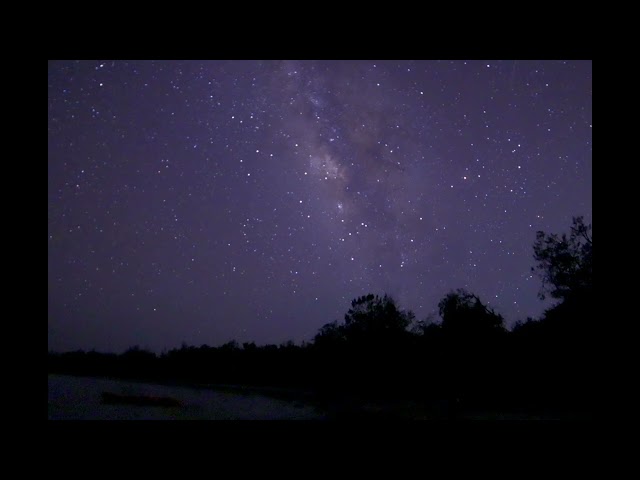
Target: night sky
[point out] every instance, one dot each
(205, 201)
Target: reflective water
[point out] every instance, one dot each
(79, 398)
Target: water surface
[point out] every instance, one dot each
(79, 398)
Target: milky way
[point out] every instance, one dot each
(204, 201)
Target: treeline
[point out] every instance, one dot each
(466, 358)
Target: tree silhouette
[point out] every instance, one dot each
(564, 263)
(372, 318)
(456, 366)
(472, 349)
(330, 335)
(426, 327)
(463, 313)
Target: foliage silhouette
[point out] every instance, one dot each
(464, 314)
(564, 263)
(468, 361)
(373, 319)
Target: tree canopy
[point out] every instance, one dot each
(380, 350)
(463, 312)
(372, 319)
(564, 262)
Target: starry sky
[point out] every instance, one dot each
(205, 201)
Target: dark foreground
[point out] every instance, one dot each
(81, 398)
(87, 398)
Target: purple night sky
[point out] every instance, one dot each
(204, 201)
